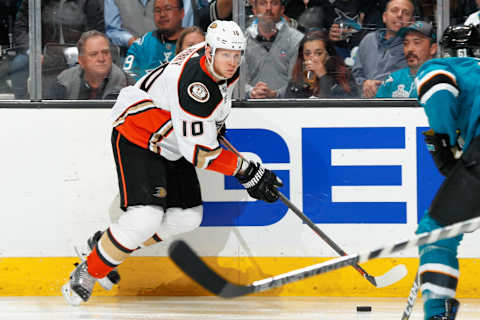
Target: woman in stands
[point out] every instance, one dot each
(319, 72)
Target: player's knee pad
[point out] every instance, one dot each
(458, 198)
(137, 225)
(178, 221)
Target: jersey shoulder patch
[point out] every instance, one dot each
(198, 94)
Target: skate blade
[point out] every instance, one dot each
(70, 296)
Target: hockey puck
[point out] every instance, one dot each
(364, 308)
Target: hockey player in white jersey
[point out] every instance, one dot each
(164, 127)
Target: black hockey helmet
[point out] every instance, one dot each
(461, 41)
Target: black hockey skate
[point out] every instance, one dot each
(80, 286)
(451, 309)
(113, 277)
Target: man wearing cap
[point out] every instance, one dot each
(418, 46)
(380, 52)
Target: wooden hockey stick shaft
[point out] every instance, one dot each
(318, 231)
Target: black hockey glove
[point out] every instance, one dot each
(260, 183)
(439, 147)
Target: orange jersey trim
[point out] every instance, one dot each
(218, 159)
(226, 163)
(122, 174)
(139, 128)
(203, 61)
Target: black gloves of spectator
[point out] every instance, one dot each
(260, 183)
(438, 145)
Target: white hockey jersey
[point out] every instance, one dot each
(176, 109)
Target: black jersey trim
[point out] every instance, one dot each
(116, 243)
(234, 78)
(191, 74)
(436, 79)
(152, 77)
(439, 279)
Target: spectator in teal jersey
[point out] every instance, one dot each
(419, 46)
(158, 46)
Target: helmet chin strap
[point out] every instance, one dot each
(210, 67)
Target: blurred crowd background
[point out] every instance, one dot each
(90, 49)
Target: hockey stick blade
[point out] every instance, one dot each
(390, 277)
(190, 263)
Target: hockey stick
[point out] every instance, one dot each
(190, 263)
(390, 277)
(411, 298)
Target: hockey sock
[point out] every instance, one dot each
(106, 255)
(98, 267)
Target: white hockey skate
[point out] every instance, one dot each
(80, 286)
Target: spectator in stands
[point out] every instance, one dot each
(346, 32)
(95, 76)
(62, 22)
(272, 48)
(8, 12)
(319, 72)
(381, 52)
(474, 18)
(419, 46)
(189, 37)
(216, 10)
(158, 46)
(295, 8)
(127, 20)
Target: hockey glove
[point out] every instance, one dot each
(260, 183)
(439, 147)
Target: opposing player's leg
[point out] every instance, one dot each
(456, 200)
(438, 273)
